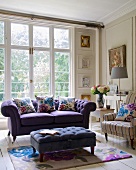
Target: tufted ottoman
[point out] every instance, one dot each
(67, 138)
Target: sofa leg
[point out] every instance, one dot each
(14, 138)
(106, 137)
(9, 133)
(132, 143)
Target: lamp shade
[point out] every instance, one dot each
(119, 72)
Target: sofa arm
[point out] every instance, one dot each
(9, 109)
(85, 107)
(109, 117)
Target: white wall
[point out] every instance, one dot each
(121, 31)
(88, 53)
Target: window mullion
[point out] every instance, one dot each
(8, 61)
(52, 78)
(31, 90)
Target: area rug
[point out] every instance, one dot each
(23, 158)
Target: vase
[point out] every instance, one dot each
(100, 101)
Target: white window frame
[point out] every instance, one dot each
(52, 50)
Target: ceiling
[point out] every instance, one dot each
(81, 10)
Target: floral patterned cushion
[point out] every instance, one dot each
(45, 104)
(24, 105)
(126, 112)
(67, 103)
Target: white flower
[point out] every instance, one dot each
(100, 89)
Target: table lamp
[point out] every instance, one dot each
(119, 73)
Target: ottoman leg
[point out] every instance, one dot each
(41, 157)
(92, 150)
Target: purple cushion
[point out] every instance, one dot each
(36, 119)
(67, 116)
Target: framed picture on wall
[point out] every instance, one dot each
(84, 62)
(85, 82)
(86, 97)
(117, 57)
(85, 41)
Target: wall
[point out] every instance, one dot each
(117, 33)
(89, 56)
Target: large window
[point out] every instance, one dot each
(62, 74)
(62, 62)
(2, 61)
(38, 59)
(20, 73)
(41, 60)
(2, 55)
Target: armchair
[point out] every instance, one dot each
(120, 128)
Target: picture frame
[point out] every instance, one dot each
(113, 88)
(86, 82)
(85, 41)
(117, 57)
(85, 63)
(85, 97)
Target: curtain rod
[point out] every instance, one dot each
(32, 17)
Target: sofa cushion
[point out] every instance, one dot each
(24, 105)
(66, 116)
(36, 119)
(45, 104)
(66, 103)
(126, 112)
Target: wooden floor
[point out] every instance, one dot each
(125, 164)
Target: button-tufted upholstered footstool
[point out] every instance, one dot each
(67, 138)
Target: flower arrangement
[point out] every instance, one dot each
(100, 89)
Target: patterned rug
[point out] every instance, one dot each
(23, 158)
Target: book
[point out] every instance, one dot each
(50, 132)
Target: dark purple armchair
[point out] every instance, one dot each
(24, 124)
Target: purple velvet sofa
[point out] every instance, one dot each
(24, 124)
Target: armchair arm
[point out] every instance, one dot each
(109, 117)
(133, 122)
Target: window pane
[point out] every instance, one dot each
(62, 73)
(19, 34)
(40, 36)
(20, 73)
(61, 38)
(1, 32)
(41, 72)
(2, 56)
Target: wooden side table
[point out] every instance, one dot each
(99, 112)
